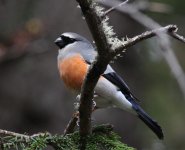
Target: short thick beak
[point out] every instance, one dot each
(59, 42)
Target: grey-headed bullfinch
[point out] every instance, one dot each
(75, 56)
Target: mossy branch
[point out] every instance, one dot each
(102, 137)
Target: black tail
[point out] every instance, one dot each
(153, 125)
(115, 79)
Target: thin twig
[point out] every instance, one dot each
(14, 134)
(177, 36)
(72, 124)
(22, 136)
(148, 34)
(114, 7)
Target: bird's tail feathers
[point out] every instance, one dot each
(153, 125)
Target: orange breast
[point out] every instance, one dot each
(72, 71)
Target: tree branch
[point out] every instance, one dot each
(96, 69)
(163, 40)
(169, 29)
(108, 46)
(114, 7)
(177, 36)
(72, 123)
(9, 133)
(102, 135)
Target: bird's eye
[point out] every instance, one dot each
(67, 39)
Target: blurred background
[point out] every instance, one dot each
(33, 98)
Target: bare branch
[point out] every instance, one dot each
(178, 37)
(114, 7)
(166, 50)
(148, 34)
(72, 124)
(9, 133)
(22, 136)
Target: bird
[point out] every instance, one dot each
(75, 56)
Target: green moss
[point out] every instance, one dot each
(95, 141)
(102, 138)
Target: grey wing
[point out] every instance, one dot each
(91, 55)
(109, 73)
(88, 52)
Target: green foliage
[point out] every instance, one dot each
(101, 139)
(38, 142)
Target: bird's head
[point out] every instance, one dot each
(69, 38)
